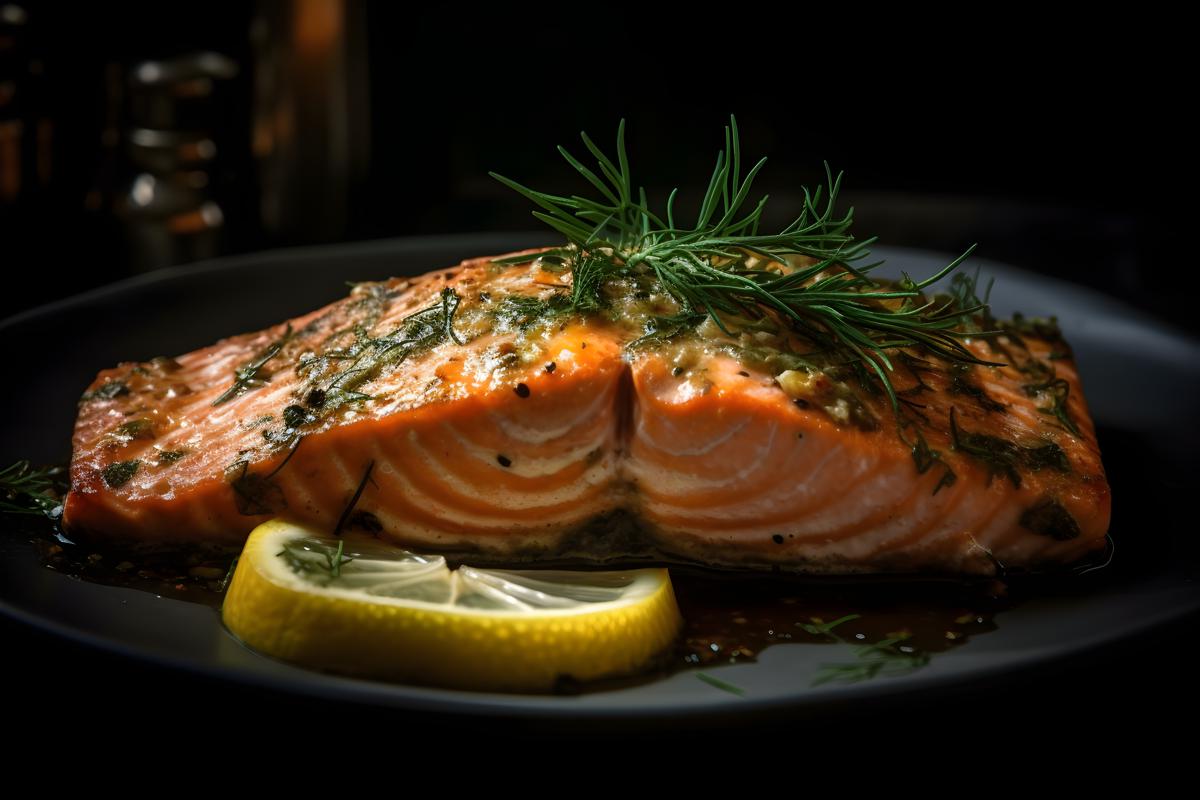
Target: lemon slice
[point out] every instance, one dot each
(362, 608)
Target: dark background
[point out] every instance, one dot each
(1058, 146)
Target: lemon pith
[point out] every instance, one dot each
(475, 629)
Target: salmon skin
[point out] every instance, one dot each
(467, 412)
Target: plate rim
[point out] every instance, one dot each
(346, 689)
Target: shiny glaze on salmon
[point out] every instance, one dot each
(509, 434)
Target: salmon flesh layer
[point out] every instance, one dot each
(467, 412)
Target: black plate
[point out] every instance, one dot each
(1142, 380)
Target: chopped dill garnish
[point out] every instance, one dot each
(246, 376)
(523, 312)
(166, 457)
(724, 686)
(118, 474)
(1050, 518)
(1058, 391)
(135, 429)
(1033, 326)
(106, 391)
(1002, 457)
(418, 332)
(961, 384)
(819, 627)
(295, 416)
(925, 457)
(887, 658)
(327, 564)
(663, 329)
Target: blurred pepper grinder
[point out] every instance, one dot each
(169, 210)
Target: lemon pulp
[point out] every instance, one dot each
(380, 612)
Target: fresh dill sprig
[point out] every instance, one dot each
(26, 490)
(721, 265)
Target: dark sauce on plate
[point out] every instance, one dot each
(900, 621)
(896, 625)
(193, 575)
(888, 626)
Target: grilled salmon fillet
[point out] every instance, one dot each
(461, 413)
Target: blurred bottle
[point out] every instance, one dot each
(169, 210)
(136, 140)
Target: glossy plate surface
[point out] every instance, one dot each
(1142, 382)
